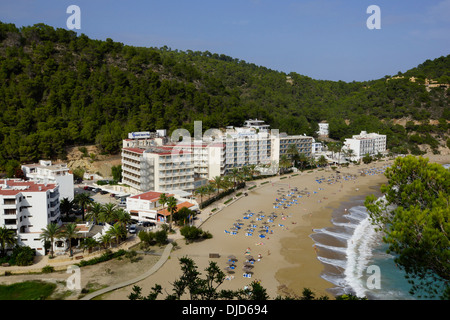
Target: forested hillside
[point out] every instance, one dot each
(58, 89)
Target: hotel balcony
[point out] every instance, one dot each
(132, 156)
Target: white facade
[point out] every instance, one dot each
(256, 124)
(27, 207)
(146, 206)
(214, 154)
(323, 129)
(365, 143)
(157, 168)
(302, 143)
(46, 172)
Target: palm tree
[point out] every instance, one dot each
(83, 199)
(303, 160)
(117, 231)
(172, 207)
(349, 153)
(94, 212)
(311, 162)
(245, 172)
(217, 182)
(89, 244)
(108, 213)
(123, 217)
(203, 190)
(69, 232)
(322, 161)
(7, 237)
(235, 175)
(162, 199)
(49, 234)
(252, 170)
(66, 206)
(227, 182)
(284, 162)
(293, 152)
(105, 240)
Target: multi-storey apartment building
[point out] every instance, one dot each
(304, 144)
(247, 146)
(46, 172)
(212, 155)
(365, 143)
(323, 129)
(161, 168)
(27, 207)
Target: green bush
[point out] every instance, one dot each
(192, 233)
(104, 257)
(48, 269)
(22, 256)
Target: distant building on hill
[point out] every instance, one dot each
(323, 129)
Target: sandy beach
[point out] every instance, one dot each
(288, 260)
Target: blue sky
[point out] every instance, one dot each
(322, 39)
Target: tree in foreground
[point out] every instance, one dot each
(192, 286)
(415, 220)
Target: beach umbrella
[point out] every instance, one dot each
(229, 270)
(230, 263)
(249, 265)
(248, 270)
(232, 257)
(249, 257)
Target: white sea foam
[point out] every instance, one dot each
(359, 253)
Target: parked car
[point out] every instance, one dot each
(103, 192)
(132, 229)
(148, 224)
(97, 190)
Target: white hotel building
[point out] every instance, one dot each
(151, 162)
(365, 143)
(160, 168)
(46, 172)
(27, 207)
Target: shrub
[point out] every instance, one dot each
(192, 233)
(48, 269)
(22, 256)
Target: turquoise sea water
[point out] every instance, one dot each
(355, 259)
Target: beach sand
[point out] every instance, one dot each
(289, 259)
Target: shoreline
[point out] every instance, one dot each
(302, 238)
(289, 261)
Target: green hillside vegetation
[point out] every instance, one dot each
(58, 89)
